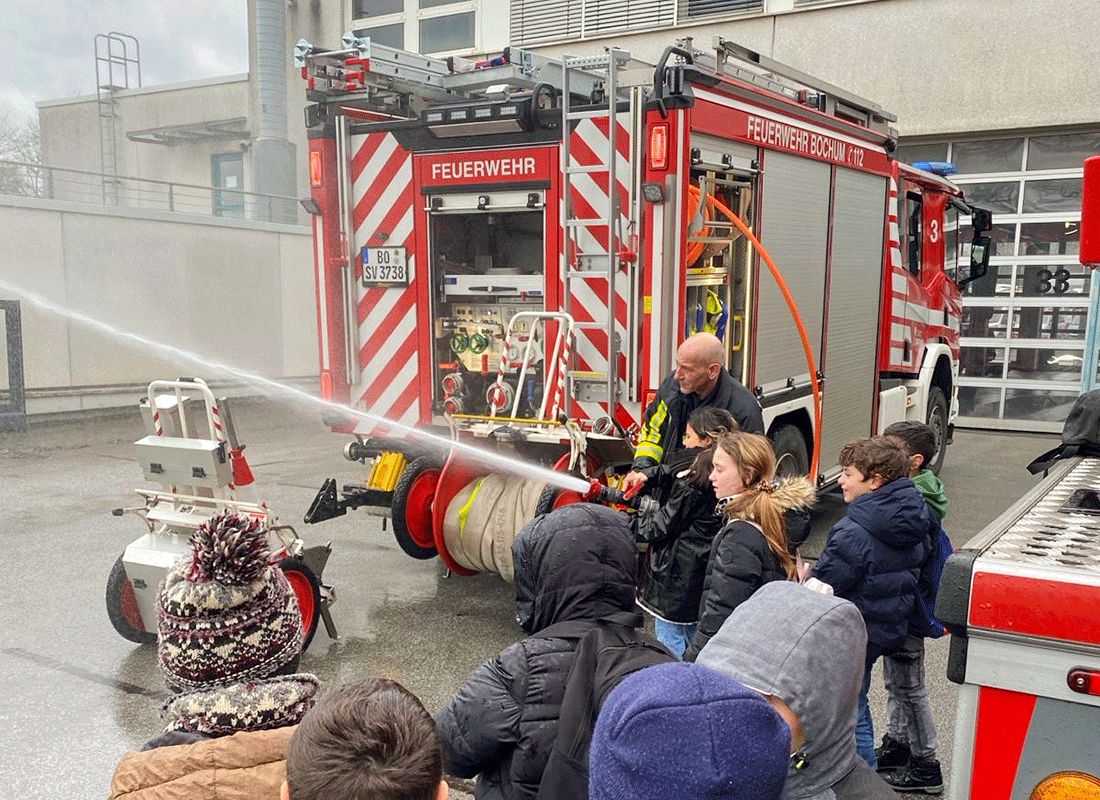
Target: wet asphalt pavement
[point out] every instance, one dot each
(77, 696)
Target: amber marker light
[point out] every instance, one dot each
(1067, 786)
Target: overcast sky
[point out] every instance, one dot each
(49, 45)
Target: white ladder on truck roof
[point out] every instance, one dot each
(784, 79)
(581, 263)
(369, 75)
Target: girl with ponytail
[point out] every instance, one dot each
(751, 549)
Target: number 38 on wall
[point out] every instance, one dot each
(1056, 281)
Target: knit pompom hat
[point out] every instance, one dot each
(681, 730)
(224, 614)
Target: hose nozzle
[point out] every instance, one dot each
(607, 495)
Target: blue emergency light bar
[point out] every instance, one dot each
(941, 168)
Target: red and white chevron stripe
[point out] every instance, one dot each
(588, 147)
(386, 354)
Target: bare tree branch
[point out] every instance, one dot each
(19, 149)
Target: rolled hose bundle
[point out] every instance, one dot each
(485, 516)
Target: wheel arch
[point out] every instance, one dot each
(939, 369)
(943, 377)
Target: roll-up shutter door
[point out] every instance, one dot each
(854, 311)
(794, 226)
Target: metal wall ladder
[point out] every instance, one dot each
(113, 67)
(581, 266)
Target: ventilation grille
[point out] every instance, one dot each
(534, 21)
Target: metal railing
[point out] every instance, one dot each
(81, 186)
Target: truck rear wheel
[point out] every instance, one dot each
(411, 508)
(791, 458)
(937, 421)
(308, 591)
(122, 607)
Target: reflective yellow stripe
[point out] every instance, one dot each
(464, 512)
(649, 444)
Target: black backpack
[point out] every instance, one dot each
(605, 655)
(1080, 434)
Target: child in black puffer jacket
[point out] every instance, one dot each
(751, 549)
(679, 534)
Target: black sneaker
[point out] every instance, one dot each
(922, 775)
(892, 755)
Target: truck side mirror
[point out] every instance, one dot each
(981, 219)
(980, 247)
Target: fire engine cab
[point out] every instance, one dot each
(511, 251)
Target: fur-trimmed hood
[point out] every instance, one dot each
(789, 493)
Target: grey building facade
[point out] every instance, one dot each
(1005, 91)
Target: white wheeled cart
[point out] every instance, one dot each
(193, 452)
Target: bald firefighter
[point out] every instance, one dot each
(700, 379)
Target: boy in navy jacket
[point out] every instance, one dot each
(907, 759)
(874, 554)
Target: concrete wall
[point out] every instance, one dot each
(963, 66)
(70, 130)
(234, 292)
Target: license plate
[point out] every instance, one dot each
(385, 266)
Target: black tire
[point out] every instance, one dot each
(791, 457)
(399, 508)
(122, 608)
(937, 421)
(546, 500)
(308, 591)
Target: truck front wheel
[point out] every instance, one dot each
(937, 421)
(791, 457)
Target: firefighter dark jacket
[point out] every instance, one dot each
(572, 567)
(666, 418)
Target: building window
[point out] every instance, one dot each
(1065, 151)
(362, 9)
(1024, 323)
(392, 35)
(227, 173)
(988, 155)
(443, 34)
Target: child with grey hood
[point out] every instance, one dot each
(804, 651)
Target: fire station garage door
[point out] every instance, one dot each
(854, 305)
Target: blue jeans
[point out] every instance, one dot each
(676, 636)
(909, 714)
(865, 731)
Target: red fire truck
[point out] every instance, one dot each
(511, 251)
